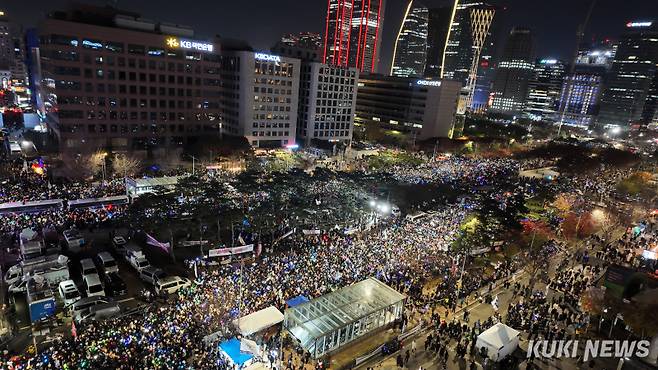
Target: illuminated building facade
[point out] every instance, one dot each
(513, 73)
(631, 81)
(544, 90)
(468, 33)
(327, 99)
(438, 25)
(268, 98)
(6, 43)
(579, 98)
(410, 53)
(422, 109)
(104, 78)
(353, 33)
(600, 53)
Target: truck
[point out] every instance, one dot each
(40, 300)
(31, 244)
(53, 268)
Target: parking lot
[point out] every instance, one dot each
(96, 241)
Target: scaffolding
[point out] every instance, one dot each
(327, 323)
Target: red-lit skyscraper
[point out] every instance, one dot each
(353, 33)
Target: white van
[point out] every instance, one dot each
(87, 267)
(106, 263)
(139, 263)
(133, 251)
(69, 292)
(93, 286)
(171, 284)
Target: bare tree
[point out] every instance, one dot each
(93, 163)
(124, 165)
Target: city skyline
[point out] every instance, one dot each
(607, 20)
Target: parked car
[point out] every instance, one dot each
(84, 303)
(73, 238)
(106, 262)
(69, 292)
(114, 285)
(139, 263)
(87, 267)
(119, 245)
(98, 312)
(151, 274)
(93, 286)
(171, 284)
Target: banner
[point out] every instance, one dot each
(221, 252)
(155, 243)
(311, 232)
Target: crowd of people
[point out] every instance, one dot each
(403, 254)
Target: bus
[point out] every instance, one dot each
(98, 202)
(416, 216)
(31, 206)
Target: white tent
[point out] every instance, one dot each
(500, 340)
(259, 320)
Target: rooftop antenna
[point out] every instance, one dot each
(580, 33)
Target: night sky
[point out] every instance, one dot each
(262, 22)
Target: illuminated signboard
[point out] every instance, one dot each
(179, 43)
(428, 83)
(638, 24)
(267, 57)
(548, 61)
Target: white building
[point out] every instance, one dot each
(269, 89)
(327, 102)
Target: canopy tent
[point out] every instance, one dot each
(259, 320)
(296, 301)
(500, 340)
(231, 349)
(257, 366)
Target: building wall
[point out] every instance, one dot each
(326, 103)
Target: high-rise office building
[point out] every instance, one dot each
(544, 90)
(597, 53)
(467, 36)
(306, 46)
(486, 68)
(627, 98)
(6, 43)
(410, 52)
(516, 66)
(308, 40)
(420, 108)
(438, 25)
(327, 98)
(268, 98)
(109, 78)
(352, 35)
(581, 91)
(579, 98)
